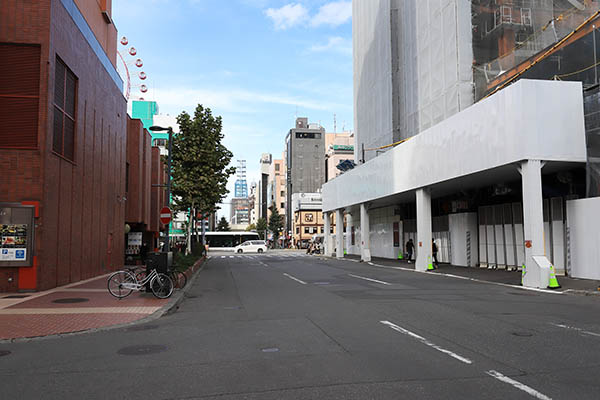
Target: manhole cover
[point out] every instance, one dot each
(4, 353)
(142, 350)
(522, 334)
(16, 296)
(270, 350)
(142, 328)
(71, 300)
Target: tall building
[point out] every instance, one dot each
(305, 147)
(461, 141)
(263, 185)
(339, 148)
(241, 186)
(62, 144)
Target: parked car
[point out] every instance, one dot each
(251, 246)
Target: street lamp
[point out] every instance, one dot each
(155, 128)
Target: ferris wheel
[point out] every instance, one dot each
(130, 70)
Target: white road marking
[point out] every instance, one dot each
(231, 256)
(426, 342)
(296, 279)
(223, 256)
(577, 329)
(518, 385)
(369, 279)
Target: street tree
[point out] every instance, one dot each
(251, 228)
(261, 228)
(200, 165)
(275, 223)
(223, 225)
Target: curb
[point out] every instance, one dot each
(170, 307)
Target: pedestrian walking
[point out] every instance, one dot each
(410, 249)
(434, 249)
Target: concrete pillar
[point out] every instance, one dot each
(537, 266)
(348, 231)
(365, 237)
(339, 234)
(424, 236)
(327, 234)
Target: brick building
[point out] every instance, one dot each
(63, 145)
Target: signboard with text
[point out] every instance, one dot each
(16, 235)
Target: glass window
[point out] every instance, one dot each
(306, 229)
(65, 90)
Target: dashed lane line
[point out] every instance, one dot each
(426, 342)
(573, 328)
(369, 279)
(296, 279)
(518, 385)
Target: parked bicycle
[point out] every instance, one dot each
(179, 278)
(122, 283)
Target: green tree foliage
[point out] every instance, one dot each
(275, 223)
(251, 228)
(223, 226)
(199, 163)
(261, 227)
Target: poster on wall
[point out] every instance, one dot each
(13, 242)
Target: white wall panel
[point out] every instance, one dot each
(528, 120)
(583, 219)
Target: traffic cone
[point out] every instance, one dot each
(523, 272)
(553, 281)
(400, 255)
(430, 264)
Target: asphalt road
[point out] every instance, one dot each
(285, 325)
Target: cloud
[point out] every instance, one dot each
(335, 13)
(336, 44)
(234, 100)
(287, 16)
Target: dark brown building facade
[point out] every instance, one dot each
(63, 142)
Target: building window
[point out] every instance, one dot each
(282, 194)
(65, 92)
(160, 142)
(322, 229)
(282, 205)
(276, 167)
(306, 229)
(297, 230)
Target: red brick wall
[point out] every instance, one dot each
(134, 158)
(80, 231)
(155, 204)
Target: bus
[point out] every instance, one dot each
(228, 240)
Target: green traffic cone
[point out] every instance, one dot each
(430, 264)
(553, 281)
(400, 255)
(522, 274)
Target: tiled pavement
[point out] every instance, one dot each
(82, 306)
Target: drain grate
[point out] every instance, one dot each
(4, 353)
(142, 350)
(71, 300)
(144, 327)
(16, 296)
(270, 350)
(522, 334)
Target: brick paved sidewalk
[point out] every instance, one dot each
(75, 307)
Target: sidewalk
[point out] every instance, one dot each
(568, 285)
(81, 306)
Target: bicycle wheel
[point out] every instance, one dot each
(180, 279)
(162, 286)
(116, 281)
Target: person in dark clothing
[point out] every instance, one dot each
(410, 249)
(434, 249)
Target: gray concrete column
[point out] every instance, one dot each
(424, 236)
(339, 234)
(537, 267)
(348, 231)
(365, 237)
(327, 235)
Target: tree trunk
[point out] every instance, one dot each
(188, 248)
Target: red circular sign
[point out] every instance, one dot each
(165, 215)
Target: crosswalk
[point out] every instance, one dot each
(262, 256)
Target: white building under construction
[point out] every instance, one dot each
(477, 126)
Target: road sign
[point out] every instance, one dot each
(165, 215)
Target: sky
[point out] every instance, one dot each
(257, 63)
